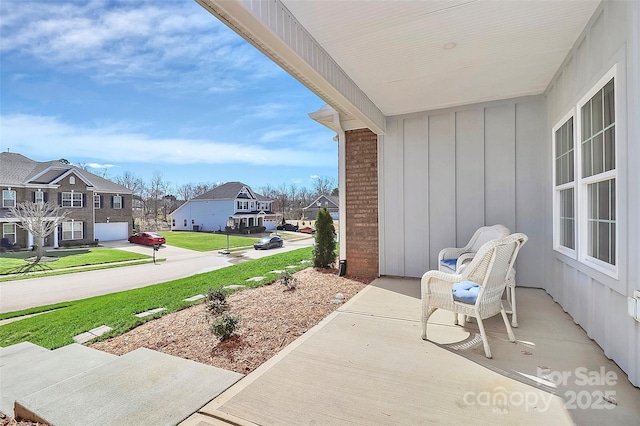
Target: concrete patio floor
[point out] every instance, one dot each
(366, 364)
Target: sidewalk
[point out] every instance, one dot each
(365, 364)
(180, 263)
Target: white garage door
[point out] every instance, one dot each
(112, 231)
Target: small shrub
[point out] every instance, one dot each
(225, 325)
(288, 280)
(216, 301)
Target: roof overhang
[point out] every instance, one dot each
(373, 59)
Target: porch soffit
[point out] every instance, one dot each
(371, 59)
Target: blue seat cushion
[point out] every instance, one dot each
(466, 292)
(449, 263)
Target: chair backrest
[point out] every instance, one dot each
(491, 266)
(485, 234)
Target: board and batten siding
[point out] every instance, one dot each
(445, 173)
(598, 302)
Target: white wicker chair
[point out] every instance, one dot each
(463, 256)
(489, 268)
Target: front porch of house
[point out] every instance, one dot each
(366, 364)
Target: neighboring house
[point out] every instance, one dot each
(330, 202)
(454, 115)
(232, 204)
(97, 208)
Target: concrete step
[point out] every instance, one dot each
(26, 368)
(9, 353)
(140, 388)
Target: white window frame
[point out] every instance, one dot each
(558, 188)
(71, 228)
(74, 199)
(96, 201)
(117, 204)
(4, 233)
(6, 198)
(583, 183)
(38, 197)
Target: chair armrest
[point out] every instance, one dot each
(437, 282)
(450, 253)
(464, 259)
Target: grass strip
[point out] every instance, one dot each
(204, 241)
(76, 270)
(117, 310)
(10, 262)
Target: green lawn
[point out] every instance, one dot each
(203, 241)
(56, 329)
(10, 262)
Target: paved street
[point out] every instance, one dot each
(180, 263)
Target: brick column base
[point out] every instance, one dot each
(361, 176)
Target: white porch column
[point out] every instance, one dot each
(55, 238)
(29, 239)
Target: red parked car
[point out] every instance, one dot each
(147, 238)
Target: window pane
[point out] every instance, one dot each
(603, 242)
(613, 244)
(609, 149)
(603, 200)
(596, 112)
(598, 154)
(586, 159)
(570, 133)
(602, 218)
(609, 104)
(612, 199)
(586, 121)
(567, 218)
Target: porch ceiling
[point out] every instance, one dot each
(410, 56)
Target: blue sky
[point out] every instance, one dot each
(153, 86)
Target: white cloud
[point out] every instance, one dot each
(148, 43)
(314, 177)
(99, 166)
(278, 135)
(52, 138)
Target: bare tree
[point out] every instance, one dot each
(185, 192)
(323, 186)
(158, 188)
(40, 220)
(202, 187)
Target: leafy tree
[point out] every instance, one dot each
(324, 249)
(39, 219)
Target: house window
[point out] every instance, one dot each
(598, 174)
(117, 202)
(9, 232)
(185, 223)
(8, 198)
(564, 211)
(72, 180)
(71, 199)
(96, 201)
(38, 197)
(72, 230)
(243, 205)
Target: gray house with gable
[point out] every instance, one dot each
(232, 204)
